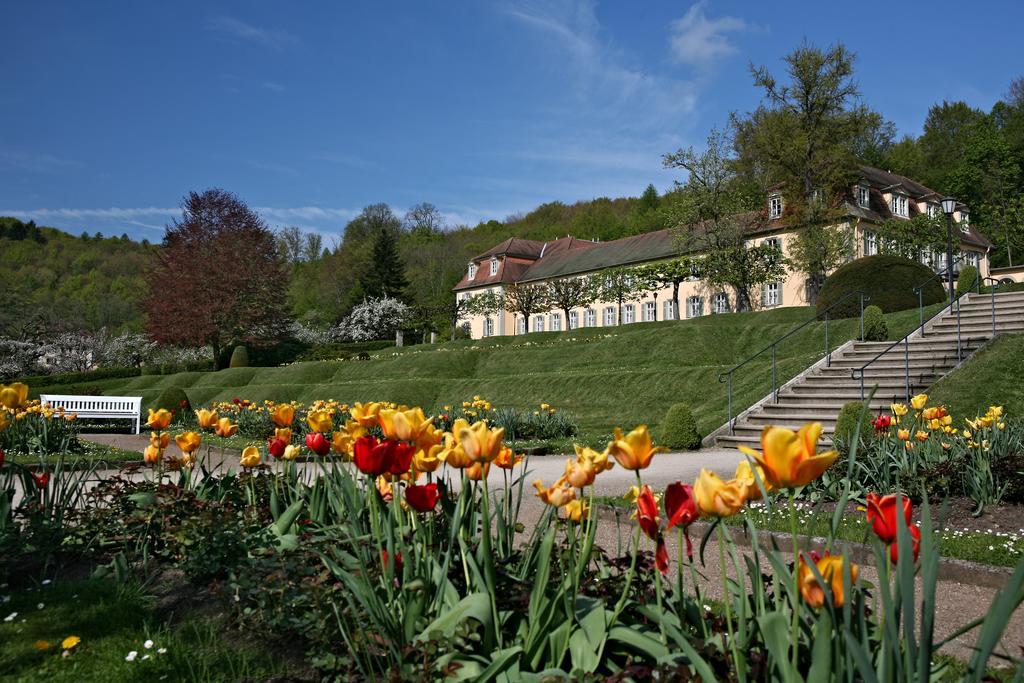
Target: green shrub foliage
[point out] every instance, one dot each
(679, 430)
(174, 399)
(846, 422)
(968, 279)
(875, 327)
(239, 357)
(888, 281)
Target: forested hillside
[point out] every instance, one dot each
(52, 281)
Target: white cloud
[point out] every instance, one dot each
(699, 41)
(40, 163)
(240, 30)
(272, 85)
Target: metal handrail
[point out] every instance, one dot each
(858, 373)
(919, 290)
(772, 347)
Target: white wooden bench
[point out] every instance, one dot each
(97, 407)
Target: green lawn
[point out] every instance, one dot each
(994, 376)
(113, 622)
(604, 376)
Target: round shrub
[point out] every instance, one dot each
(846, 422)
(889, 281)
(875, 327)
(967, 280)
(679, 430)
(174, 399)
(239, 357)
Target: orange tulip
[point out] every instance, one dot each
(283, 415)
(831, 569)
(224, 428)
(188, 442)
(635, 450)
(159, 419)
(152, 454)
(477, 470)
(159, 440)
(207, 418)
(284, 434)
(560, 493)
(507, 460)
(791, 459)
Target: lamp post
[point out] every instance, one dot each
(948, 207)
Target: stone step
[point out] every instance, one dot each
(754, 441)
(825, 403)
(983, 309)
(888, 363)
(851, 391)
(983, 327)
(792, 420)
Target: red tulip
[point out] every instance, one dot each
(370, 456)
(400, 453)
(882, 423)
(681, 508)
(882, 511)
(2, 455)
(276, 447)
(661, 557)
(41, 480)
(318, 443)
(399, 562)
(422, 498)
(647, 513)
(915, 539)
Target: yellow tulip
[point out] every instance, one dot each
(480, 442)
(283, 415)
(635, 450)
(160, 440)
(921, 436)
(579, 474)
(13, 396)
(427, 459)
(207, 418)
(429, 437)
(404, 425)
(224, 428)
(250, 457)
(599, 461)
(70, 642)
(918, 402)
(717, 498)
(3, 420)
(152, 454)
(995, 412)
(320, 421)
(576, 510)
(903, 434)
(291, 451)
(188, 442)
(558, 494)
(284, 434)
(791, 459)
(898, 409)
(365, 413)
(159, 419)
(453, 454)
(744, 477)
(477, 470)
(831, 569)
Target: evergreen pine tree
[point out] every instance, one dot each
(386, 274)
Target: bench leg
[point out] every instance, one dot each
(137, 425)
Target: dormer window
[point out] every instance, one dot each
(774, 205)
(965, 222)
(863, 196)
(898, 204)
(472, 271)
(494, 265)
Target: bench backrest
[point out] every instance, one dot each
(88, 404)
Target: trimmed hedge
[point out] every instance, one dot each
(77, 377)
(343, 350)
(679, 430)
(875, 327)
(173, 399)
(889, 281)
(967, 280)
(846, 422)
(239, 357)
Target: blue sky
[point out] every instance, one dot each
(309, 111)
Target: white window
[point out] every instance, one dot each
(670, 309)
(775, 243)
(899, 204)
(870, 243)
(863, 196)
(574, 320)
(965, 222)
(488, 327)
(472, 271)
(774, 205)
(538, 323)
(609, 316)
(556, 322)
(650, 311)
(771, 295)
(520, 325)
(694, 306)
(494, 266)
(720, 303)
(629, 314)
(933, 210)
(590, 318)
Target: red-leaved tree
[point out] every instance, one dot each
(219, 278)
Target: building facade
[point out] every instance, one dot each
(876, 197)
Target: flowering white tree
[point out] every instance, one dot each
(375, 319)
(18, 358)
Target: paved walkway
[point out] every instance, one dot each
(957, 603)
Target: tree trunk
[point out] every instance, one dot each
(215, 346)
(566, 311)
(675, 300)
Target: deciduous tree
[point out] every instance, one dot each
(569, 293)
(527, 299)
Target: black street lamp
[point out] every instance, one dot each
(948, 207)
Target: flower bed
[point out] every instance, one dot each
(400, 553)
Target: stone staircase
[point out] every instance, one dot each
(818, 394)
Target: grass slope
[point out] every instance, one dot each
(993, 376)
(604, 376)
